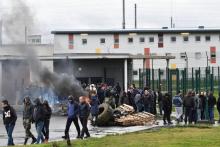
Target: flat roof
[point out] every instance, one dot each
(139, 31)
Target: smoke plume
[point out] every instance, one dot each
(14, 22)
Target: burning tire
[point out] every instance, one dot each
(105, 114)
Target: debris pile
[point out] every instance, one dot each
(136, 119)
(123, 115)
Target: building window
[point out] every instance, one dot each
(198, 38)
(151, 39)
(185, 38)
(183, 55)
(116, 41)
(198, 55)
(207, 38)
(84, 41)
(142, 39)
(102, 40)
(173, 39)
(130, 40)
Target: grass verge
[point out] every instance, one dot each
(190, 136)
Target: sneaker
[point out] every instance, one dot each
(64, 137)
(34, 140)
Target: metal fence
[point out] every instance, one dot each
(175, 80)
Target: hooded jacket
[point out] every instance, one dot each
(38, 113)
(9, 115)
(28, 109)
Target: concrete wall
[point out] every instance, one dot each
(92, 68)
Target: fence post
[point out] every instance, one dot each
(159, 80)
(206, 79)
(193, 79)
(152, 78)
(212, 80)
(177, 81)
(218, 79)
(140, 79)
(199, 81)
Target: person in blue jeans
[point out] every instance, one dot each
(39, 117)
(211, 105)
(9, 119)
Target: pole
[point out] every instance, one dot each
(207, 59)
(123, 11)
(135, 16)
(1, 25)
(26, 33)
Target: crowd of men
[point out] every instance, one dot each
(189, 108)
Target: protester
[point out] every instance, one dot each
(188, 104)
(124, 99)
(147, 99)
(167, 108)
(48, 113)
(211, 104)
(178, 104)
(94, 107)
(84, 111)
(198, 106)
(159, 100)
(203, 105)
(117, 94)
(39, 117)
(27, 120)
(72, 116)
(218, 107)
(9, 119)
(139, 102)
(195, 107)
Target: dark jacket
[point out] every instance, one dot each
(73, 109)
(188, 101)
(47, 112)
(38, 113)
(84, 110)
(211, 101)
(28, 111)
(167, 103)
(9, 115)
(218, 104)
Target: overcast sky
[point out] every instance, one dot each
(99, 14)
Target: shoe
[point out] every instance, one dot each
(170, 123)
(25, 141)
(87, 137)
(34, 140)
(78, 137)
(46, 141)
(64, 137)
(164, 123)
(68, 143)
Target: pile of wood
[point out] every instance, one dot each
(125, 109)
(134, 119)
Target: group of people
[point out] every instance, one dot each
(191, 108)
(38, 113)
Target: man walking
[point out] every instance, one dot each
(27, 120)
(9, 119)
(72, 112)
(48, 113)
(38, 117)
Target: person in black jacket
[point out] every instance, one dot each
(27, 120)
(39, 117)
(189, 105)
(218, 107)
(48, 113)
(9, 119)
(211, 105)
(159, 100)
(84, 111)
(167, 108)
